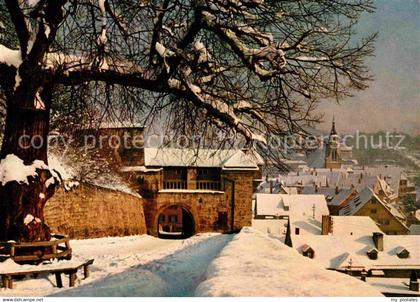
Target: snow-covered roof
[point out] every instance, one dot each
(276, 228)
(393, 287)
(253, 264)
(393, 174)
(415, 229)
(343, 195)
(363, 197)
(277, 188)
(304, 211)
(353, 225)
(331, 249)
(358, 202)
(208, 158)
(357, 182)
(303, 180)
(332, 197)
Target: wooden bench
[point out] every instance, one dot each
(38, 251)
(71, 271)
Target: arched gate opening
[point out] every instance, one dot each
(175, 222)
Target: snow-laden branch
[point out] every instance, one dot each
(10, 57)
(254, 58)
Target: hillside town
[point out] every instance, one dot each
(209, 148)
(343, 217)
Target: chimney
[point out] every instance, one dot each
(414, 284)
(316, 188)
(330, 169)
(337, 190)
(297, 173)
(380, 176)
(326, 224)
(271, 186)
(378, 239)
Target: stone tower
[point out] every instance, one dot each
(332, 152)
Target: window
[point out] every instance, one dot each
(222, 219)
(373, 211)
(173, 218)
(373, 201)
(297, 231)
(161, 218)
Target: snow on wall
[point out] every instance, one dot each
(253, 264)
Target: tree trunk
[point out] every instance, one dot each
(22, 204)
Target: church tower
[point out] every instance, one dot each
(332, 152)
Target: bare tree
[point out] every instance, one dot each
(247, 67)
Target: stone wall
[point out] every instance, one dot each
(90, 212)
(243, 195)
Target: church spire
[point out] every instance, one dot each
(333, 132)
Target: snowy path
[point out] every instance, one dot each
(177, 274)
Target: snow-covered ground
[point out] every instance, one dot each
(247, 264)
(253, 264)
(132, 266)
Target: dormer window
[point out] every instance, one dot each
(403, 253)
(307, 251)
(373, 254)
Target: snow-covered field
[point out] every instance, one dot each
(247, 264)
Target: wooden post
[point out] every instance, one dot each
(7, 281)
(12, 250)
(4, 281)
(86, 271)
(54, 250)
(67, 243)
(58, 280)
(72, 278)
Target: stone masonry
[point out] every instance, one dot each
(89, 211)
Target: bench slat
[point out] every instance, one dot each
(50, 270)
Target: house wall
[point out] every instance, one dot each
(166, 224)
(393, 228)
(205, 206)
(90, 212)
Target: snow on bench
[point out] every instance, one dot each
(9, 269)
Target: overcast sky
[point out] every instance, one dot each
(393, 99)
